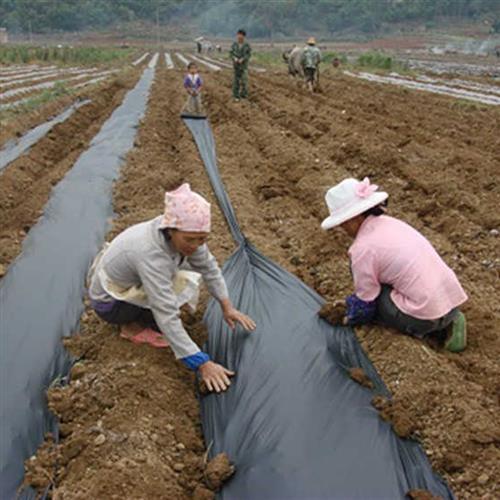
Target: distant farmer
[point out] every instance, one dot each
(134, 282)
(240, 55)
(400, 281)
(193, 85)
(311, 58)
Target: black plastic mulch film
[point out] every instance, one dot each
(41, 295)
(14, 149)
(293, 422)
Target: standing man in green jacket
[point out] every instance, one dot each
(240, 55)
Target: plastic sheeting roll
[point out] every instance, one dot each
(293, 422)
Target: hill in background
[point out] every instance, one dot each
(262, 19)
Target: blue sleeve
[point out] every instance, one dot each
(194, 361)
(359, 311)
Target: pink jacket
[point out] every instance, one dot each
(387, 251)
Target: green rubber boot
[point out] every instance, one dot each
(458, 334)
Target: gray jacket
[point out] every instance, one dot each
(141, 256)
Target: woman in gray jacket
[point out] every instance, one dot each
(133, 281)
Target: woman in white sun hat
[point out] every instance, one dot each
(400, 281)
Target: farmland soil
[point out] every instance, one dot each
(14, 125)
(14, 122)
(26, 183)
(278, 153)
(34, 92)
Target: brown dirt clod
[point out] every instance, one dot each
(78, 371)
(333, 313)
(202, 493)
(359, 376)
(379, 402)
(453, 462)
(422, 495)
(218, 471)
(395, 413)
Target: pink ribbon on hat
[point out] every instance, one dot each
(364, 189)
(186, 210)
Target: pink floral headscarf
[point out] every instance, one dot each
(186, 210)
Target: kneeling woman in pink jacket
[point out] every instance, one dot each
(400, 281)
(133, 281)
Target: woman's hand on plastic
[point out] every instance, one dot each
(233, 316)
(215, 376)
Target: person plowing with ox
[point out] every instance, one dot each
(310, 60)
(139, 281)
(400, 281)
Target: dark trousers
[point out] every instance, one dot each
(124, 312)
(240, 83)
(310, 74)
(389, 315)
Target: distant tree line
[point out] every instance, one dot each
(268, 18)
